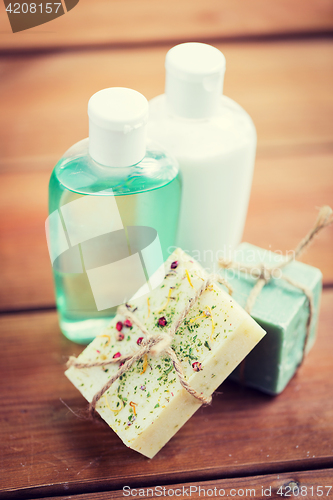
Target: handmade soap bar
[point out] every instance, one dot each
(148, 405)
(283, 311)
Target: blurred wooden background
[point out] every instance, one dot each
(280, 69)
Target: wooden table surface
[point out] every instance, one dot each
(280, 69)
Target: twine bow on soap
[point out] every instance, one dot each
(153, 344)
(265, 274)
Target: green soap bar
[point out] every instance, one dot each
(280, 309)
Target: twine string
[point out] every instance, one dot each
(324, 219)
(264, 274)
(153, 344)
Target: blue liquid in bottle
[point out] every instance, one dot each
(146, 194)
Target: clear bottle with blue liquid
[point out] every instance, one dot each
(113, 212)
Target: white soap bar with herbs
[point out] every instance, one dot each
(148, 405)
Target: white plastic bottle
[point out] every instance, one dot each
(214, 141)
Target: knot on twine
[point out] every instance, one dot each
(267, 273)
(163, 342)
(153, 344)
(264, 274)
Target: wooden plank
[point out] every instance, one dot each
(286, 88)
(48, 450)
(130, 22)
(309, 484)
(285, 192)
(24, 261)
(44, 112)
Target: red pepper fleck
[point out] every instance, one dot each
(128, 323)
(119, 326)
(196, 366)
(121, 364)
(120, 336)
(174, 264)
(162, 321)
(98, 351)
(139, 341)
(117, 355)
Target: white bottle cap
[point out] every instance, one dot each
(117, 127)
(194, 79)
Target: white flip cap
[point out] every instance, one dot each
(194, 79)
(117, 127)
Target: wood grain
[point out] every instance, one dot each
(43, 102)
(129, 22)
(285, 87)
(286, 192)
(310, 483)
(48, 450)
(246, 439)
